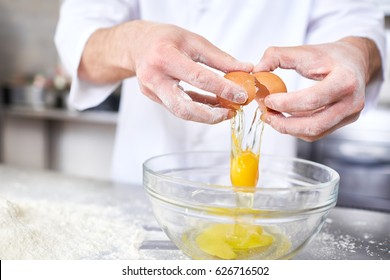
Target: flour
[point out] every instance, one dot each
(341, 242)
(39, 229)
(344, 246)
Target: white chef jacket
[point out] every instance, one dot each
(243, 29)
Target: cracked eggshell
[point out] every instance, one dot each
(257, 86)
(246, 81)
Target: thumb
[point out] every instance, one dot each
(278, 57)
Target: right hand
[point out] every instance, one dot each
(161, 56)
(342, 69)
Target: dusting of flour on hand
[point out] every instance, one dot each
(31, 229)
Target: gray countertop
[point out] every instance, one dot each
(46, 215)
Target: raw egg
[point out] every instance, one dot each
(233, 241)
(245, 161)
(244, 169)
(226, 241)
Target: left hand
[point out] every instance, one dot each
(343, 69)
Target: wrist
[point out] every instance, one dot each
(125, 37)
(108, 55)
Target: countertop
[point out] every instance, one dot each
(47, 215)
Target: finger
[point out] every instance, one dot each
(307, 113)
(267, 115)
(199, 76)
(182, 106)
(344, 122)
(275, 57)
(202, 98)
(150, 94)
(205, 52)
(313, 127)
(328, 91)
(306, 60)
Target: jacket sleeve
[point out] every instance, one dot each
(78, 20)
(332, 20)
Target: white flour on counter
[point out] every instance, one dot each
(338, 245)
(51, 230)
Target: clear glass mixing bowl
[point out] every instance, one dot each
(191, 193)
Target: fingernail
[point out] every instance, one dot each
(240, 97)
(265, 118)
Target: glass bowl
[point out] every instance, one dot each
(207, 218)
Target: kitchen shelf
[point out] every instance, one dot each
(71, 142)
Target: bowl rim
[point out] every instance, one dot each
(208, 186)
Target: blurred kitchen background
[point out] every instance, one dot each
(39, 130)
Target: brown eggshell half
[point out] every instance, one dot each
(271, 83)
(246, 81)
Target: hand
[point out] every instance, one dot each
(343, 69)
(161, 56)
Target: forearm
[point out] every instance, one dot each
(370, 55)
(107, 56)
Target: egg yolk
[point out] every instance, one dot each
(244, 169)
(226, 240)
(244, 163)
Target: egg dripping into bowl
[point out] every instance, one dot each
(245, 149)
(243, 237)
